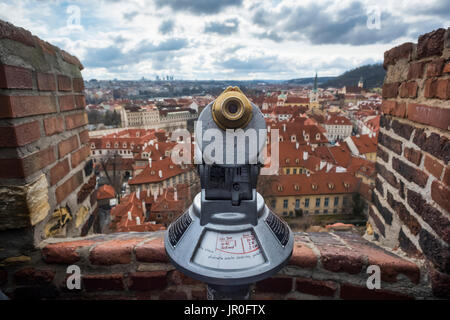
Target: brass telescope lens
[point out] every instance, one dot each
(232, 109)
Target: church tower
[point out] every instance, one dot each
(361, 83)
(314, 95)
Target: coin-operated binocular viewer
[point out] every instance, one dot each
(229, 238)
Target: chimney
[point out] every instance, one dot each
(284, 127)
(150, 162)
(129, 216)
(297, 145)
(143, 207)
(305, 155)
(155, 196)
(160, 173)
(138, 221)
(156, 146)
(175, 194)
(148, 192)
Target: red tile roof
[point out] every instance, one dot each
(106, 192)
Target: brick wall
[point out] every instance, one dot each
(135, 266)
(44, 158)
(411, 201)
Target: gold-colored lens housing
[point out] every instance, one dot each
(232, 109)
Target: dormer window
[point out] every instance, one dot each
(287, 160)
(124, 145)
(306, 137)
(296, 187)
(116, 145)
(108, 145)
(132, 145)
(318, 136)
(280, 188)
(346, 185)
(331, 186)
(314, 186)
(92, 145)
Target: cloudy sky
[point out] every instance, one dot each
(225, 39)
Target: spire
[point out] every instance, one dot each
(315, 83)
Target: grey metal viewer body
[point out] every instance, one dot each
(229, 238)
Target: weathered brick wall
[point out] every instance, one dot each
(412, 198)
(44, 158)
(135, 266)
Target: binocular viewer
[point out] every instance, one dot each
(229, 238)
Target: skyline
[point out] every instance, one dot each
(217, 40)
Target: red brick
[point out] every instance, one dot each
(431, 215)
(351, 292)
(410, 173)
(53, 125)
(21, 168)
(388, 106)
(441, 195)
(415, 70)
(390, 90)
(433, 166)
(275, 284)
(24, 106)
(79, 156)
(440, 283)
(178, 278)
(441, 89)
(67, 146)
(66, 103)
(78, 84)
(413, 155)
(64, 190)
(315, 287)
(103, 282)
(172, 295)
(64, 83)
(390, 143)
(409, 220)
(148, 281)
(20, 135)
(84, 136)
(76, 120)
(446, 68)
(446, 178)
(403, 51)
(433, 116)
(64, 252)
(46, 81)
(9, 31)
(71, 59)
(335, 256)
(59, 171)
(113, 252)
(152, 251)
(377, 221)
(408, 89)
(430, 88)
(303, 256)
(80, 102)
(32, 276)
(431, 44)
(15, 77)
(434, 68)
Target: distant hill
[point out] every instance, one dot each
(306, 81)
(373, 75)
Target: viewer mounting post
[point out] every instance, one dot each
(229, 238)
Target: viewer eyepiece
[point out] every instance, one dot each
(232, 109)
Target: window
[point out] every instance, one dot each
(325, 211)
(285, 204)
(294, 171)
(344, 201)
(335, 211)
(327, 200)
(336, 201)
(317, 212)
(288, 171)
(284, 213)
(306, 212)
(297, 203)
(307, 203)
(273, 203)
(317, 202)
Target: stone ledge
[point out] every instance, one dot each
(123, 265)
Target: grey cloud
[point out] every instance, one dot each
(227, 27)
(198, 6)
(130, 15)
(348, 25)
(112, 56)
(166, 26)
(255, 64)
